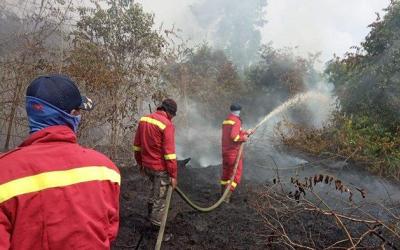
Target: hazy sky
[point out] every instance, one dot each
(328, 26)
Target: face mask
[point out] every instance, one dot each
(42, 114)
(237, 113)
(76, 121)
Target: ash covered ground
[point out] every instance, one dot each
(238, 225)
(231, 226)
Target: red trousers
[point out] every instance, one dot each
(228, 166)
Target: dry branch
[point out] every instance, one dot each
(300, 223)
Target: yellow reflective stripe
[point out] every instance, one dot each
(236, 138)
(229, 122)
(170, 156)
(154, 122)
(54, 179)
(234, 184)
(136, 148)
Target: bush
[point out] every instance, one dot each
(357, 137)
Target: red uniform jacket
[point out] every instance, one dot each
(232, 135)
(154, 143)
(55, 194)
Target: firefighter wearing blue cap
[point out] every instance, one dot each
(54, 193)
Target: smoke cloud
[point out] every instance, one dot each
(314, 26)
(328, 26)
(198, 138)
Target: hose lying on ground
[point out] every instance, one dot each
(227, 187)
(192, 204)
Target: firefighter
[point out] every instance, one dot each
(232, 136)
(154, 150)
(54, 193)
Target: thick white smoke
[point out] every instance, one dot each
(198, 138)
(328, 26)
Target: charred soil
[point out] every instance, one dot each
(231, 226)
(258, 217)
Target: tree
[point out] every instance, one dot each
(278, 76)
(24, 54)
(235, 27)
(206, 77)
(117, 55)
(368, 80)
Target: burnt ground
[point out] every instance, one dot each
(231, 226)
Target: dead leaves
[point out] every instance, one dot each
(311, 182)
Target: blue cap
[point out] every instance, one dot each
(60, 91)
(235, 107)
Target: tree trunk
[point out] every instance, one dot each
(12, 114)
(114, 125)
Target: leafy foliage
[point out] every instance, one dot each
(207, 77)
(367, 83)
(279, 75)
(26, 51)
(369, 143)
(117, 55)
(368, 80)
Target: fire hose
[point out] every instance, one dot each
(191, 203)
(218, 203)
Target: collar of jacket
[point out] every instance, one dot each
(163, 113)
(59, 133)
(232, 116)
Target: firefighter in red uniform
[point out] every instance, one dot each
(232, 136)
(154, 148)
(55, 194)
